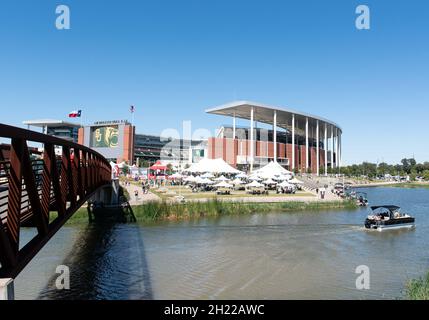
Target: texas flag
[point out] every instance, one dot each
(75, 114)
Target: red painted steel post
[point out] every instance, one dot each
(78, 165)
(32, 192)
(48, 168)
(15, 192)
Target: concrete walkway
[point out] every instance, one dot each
(141, 198)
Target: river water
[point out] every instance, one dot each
(303, 255)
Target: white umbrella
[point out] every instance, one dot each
(208, 181)
(241, 175)
(296, 181)
(283, 177)
(207, 175)
(176, 176)
(223, 184)
(269, 181)
(222, 178)
(200, 180)
(255, 178)
(237, 181)
(255, 184)
(285, 184)
(189, 179)
(266, 175)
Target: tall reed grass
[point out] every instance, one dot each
(156, 211)
(418, 289)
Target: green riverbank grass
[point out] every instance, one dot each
(418, 289)
(410, 185)
(163, 211)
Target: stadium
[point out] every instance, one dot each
(297, 140)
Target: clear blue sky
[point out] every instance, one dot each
(173, 59)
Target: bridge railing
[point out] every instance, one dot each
(41, 189)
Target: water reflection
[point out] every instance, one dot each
(105, 265)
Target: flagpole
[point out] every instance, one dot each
(132, 119)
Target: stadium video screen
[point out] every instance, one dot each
(105, 137)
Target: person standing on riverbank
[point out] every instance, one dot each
(322, 193)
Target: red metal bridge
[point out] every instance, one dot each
(41, 189)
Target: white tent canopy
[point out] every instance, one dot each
(214, 166)
(272, 169)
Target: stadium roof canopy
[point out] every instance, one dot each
(50, 123)
(265, 114)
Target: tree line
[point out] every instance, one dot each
(407, 167)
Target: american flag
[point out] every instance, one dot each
(132, 109)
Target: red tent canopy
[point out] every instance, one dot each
(158, 166)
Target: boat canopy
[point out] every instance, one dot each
(388, 207)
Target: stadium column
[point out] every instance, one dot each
(326, 149)
(275, 135)
(317, 149)
(293, 142)
(252, 147)
(306, 145)
(337, 162)
(233, 127)
(340, 150)
(332, 147)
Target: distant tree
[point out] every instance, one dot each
(406, 166)
(125, 169)
(413, 175)
(426, 175)
(369, 169)
(345, 171)
(420, 168)
(169, 168)
(383, 168)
